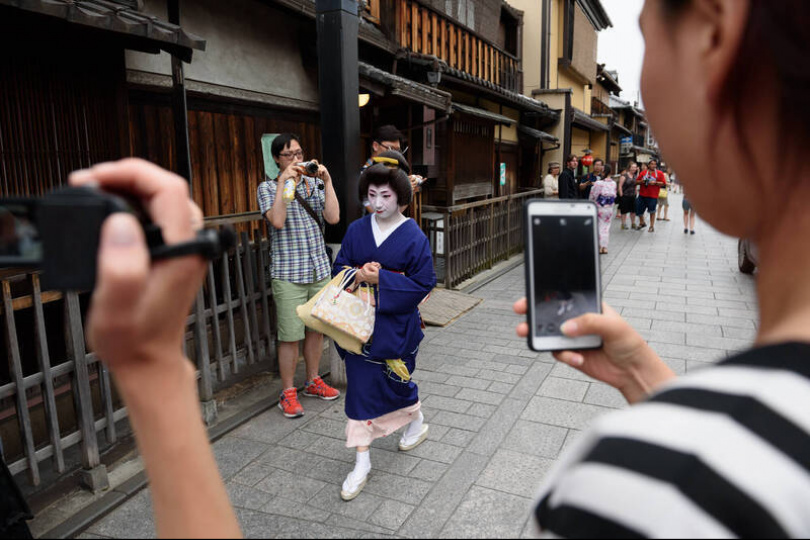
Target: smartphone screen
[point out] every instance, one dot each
(563, 272)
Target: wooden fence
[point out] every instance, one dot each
(57, 396)
(475, 236)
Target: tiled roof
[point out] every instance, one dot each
(401, 86)
(119, 16)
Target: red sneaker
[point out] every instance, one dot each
(317, 388)
(289, 404)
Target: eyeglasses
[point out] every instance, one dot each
(390, 148)
(292, 154)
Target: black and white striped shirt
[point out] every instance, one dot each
(723, 452)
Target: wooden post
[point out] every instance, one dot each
(93, 474)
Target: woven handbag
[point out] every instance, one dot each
(345, 311)
(345, 341)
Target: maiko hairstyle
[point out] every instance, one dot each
(774, 45)
(281, 142)
(389, 174)
(388, 133)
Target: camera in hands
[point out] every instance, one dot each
(60, 232)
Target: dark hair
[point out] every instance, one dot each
(388, 133)
(281, 142)
(570, 158)
(599, 160)
(775, 39)
(383, 174)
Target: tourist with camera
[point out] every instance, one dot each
(296, 204)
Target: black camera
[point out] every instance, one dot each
(60, 232)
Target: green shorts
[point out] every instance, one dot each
(287, 297)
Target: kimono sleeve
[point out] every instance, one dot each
(402, 294)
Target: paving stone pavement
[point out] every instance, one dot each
(500, 414)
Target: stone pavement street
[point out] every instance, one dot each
(499, 414)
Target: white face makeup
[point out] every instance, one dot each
(383, 201)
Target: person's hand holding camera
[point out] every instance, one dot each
(625, 361)
(295, 171)
(138, 310)
(136, 326)
(323, 174)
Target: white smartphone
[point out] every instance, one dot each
(563, 279)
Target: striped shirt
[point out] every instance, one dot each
(298, 251)
(723, 452)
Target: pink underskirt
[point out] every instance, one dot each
(363, 432)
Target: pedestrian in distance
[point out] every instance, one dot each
(688, 216)
(567, 180)
(586, 182)
(627, 195)
(393, 256)
(603, 193)
(663, 200)
(650, 183)
(551, 183)
(678, 462)
(300, 265)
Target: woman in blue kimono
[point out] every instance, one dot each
(393, 255)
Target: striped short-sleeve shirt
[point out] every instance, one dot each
(298, 251)
(723, 452)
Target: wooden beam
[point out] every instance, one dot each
(434, 34)
(403, 24)
(425, 28)
(414, 26)
(454, 47)
(445, 49)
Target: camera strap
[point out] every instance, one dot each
(305, 205)
(311, 212)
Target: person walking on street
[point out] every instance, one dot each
(551, 183)
(300, 264)
(650, 183)
(603, 193)
(688, 215)
(627, 195)
(567, 181)
(663, 200)
(393, 256)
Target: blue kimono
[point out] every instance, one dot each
(406, 278)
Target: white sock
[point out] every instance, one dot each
(363, 460)
(414, 429)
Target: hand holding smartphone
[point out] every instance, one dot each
(563, 279)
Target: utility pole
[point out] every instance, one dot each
(179, 105)
(338, 81)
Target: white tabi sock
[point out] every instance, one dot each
(414, 429)
(356, 479)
